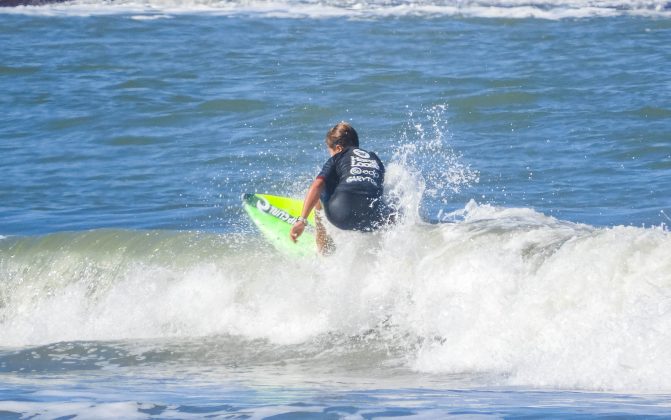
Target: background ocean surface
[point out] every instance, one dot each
(528, 143)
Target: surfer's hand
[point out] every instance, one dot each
(297, 230)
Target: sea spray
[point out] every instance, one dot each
(425, 171)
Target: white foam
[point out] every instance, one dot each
(515, 9)
(150, 17)
(107, 410)
(510, 291)
(550, 304)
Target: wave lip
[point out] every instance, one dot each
(511, 9)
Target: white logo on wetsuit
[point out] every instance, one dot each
(359, 171)
(364, 163)
(361, 179)
(361, 153)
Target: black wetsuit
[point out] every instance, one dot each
(352, 198)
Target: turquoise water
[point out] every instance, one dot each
(132, 284)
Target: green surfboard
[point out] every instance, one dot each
(274, 216)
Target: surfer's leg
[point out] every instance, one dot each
(325, 244)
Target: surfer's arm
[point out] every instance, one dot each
(309, 203)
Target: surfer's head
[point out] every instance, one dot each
(341, 136)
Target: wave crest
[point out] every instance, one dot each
(515, 9)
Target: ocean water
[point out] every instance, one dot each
(527, 142)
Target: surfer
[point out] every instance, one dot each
(349, 188)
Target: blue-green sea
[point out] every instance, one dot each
(528, 144)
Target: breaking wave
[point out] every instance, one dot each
(514, 9)
(510, 292)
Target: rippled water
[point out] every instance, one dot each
(132, 285)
